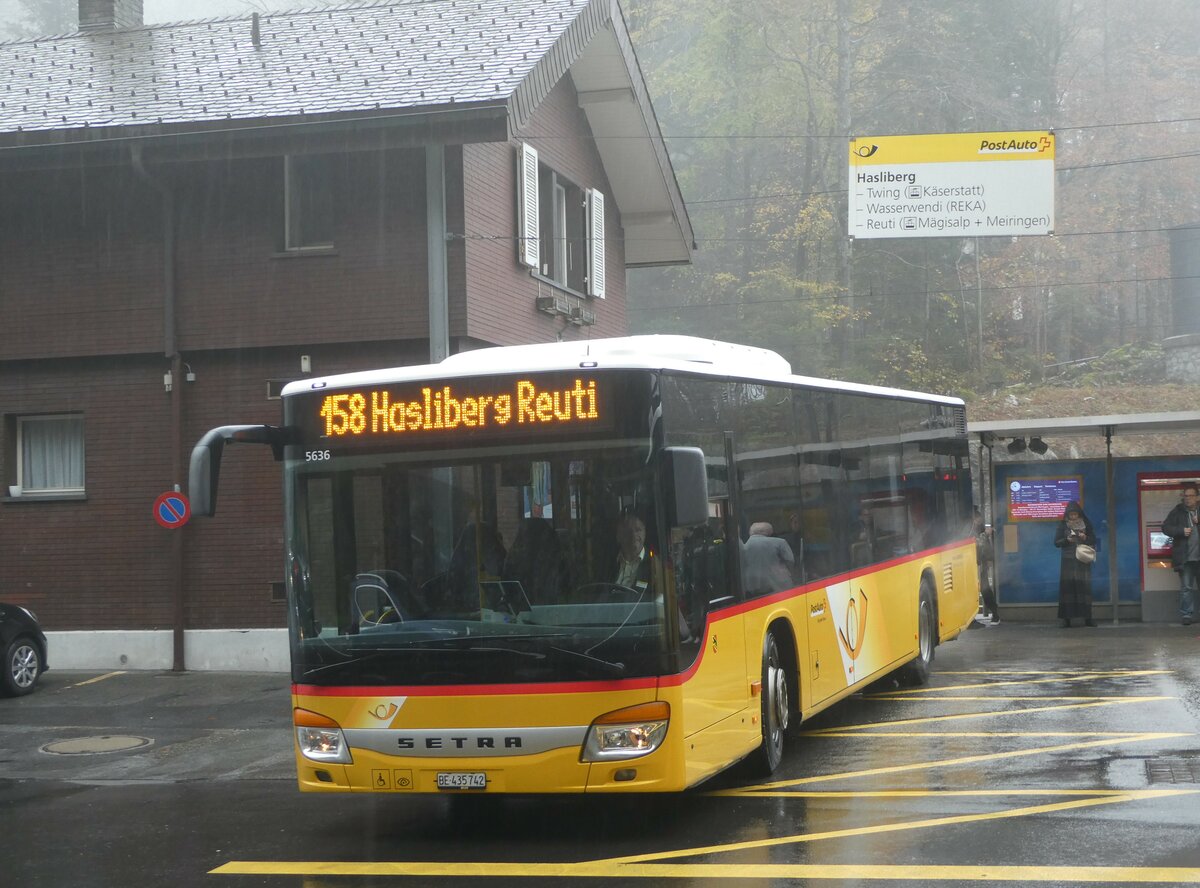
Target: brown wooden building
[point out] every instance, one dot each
(193, 214)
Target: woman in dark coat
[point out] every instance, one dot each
(1075, 578)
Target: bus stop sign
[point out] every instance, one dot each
(172, 510)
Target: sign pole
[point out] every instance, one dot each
(1111, 505)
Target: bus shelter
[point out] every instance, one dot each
(1033, 467)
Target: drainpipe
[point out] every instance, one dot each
(435, 236)
(439, 303)
(170, 351)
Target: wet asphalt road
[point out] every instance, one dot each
(1035, 755)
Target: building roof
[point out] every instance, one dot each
(343, 59)
(391, 62)
(1117, 424)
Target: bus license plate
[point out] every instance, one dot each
(461, 780)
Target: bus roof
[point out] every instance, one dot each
(685, 354)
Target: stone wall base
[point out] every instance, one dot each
(217, 650)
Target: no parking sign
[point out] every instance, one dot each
(172, 510)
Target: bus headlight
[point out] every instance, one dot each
(627, 733)
(320, 738)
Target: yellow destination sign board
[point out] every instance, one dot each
(952, 185)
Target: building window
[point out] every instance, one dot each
(50, 454)
(562, 219)
(562, 227)
(308, 202)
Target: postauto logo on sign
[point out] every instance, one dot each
(1015, 146)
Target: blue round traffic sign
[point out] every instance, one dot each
(172, 510)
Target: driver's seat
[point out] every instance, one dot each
(374, 602)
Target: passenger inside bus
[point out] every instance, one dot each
(767, 561)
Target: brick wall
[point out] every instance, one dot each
(82, 264)
(83, 268)
(239, 288)
(103, 563)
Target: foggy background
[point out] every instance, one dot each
(757, 100)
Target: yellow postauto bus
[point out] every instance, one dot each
(606, 566)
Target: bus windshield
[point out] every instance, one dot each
(513, 564)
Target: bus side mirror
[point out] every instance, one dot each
(205, 467)
(687, 500)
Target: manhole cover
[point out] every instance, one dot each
(1173, 770)
(96, 745)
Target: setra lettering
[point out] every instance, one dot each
(485, 742)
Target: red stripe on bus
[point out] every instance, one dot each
(573, 687)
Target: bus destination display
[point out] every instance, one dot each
(459, 407)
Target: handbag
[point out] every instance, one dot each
(1085, 553)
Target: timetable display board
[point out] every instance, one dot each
(952, 185)
(1043, 499)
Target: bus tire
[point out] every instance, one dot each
(916, 671)
(775, 707)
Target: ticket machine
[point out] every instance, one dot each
(1157, 495)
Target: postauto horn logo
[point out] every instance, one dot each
(866, 150)
(855, 631)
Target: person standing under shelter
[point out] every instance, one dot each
(767, 561)
(1180, 526)
(1075, 576)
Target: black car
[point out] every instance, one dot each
(24, 647)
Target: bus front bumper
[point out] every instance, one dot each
(554, 771)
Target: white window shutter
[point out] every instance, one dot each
(527, 208)
(595, 221)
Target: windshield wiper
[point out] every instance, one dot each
(474, 639)
(606, 666)
(487, 650)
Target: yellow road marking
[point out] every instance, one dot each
(1157, 875)
(89, 681)
(945, 763)
(881, 734)
(991, 697)
(1082, 676)
(650, 865)
(1055, 672)
(1118, 701)
(904, 826)
(923, 793)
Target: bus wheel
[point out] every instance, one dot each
(775, 706)
(916, 672)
